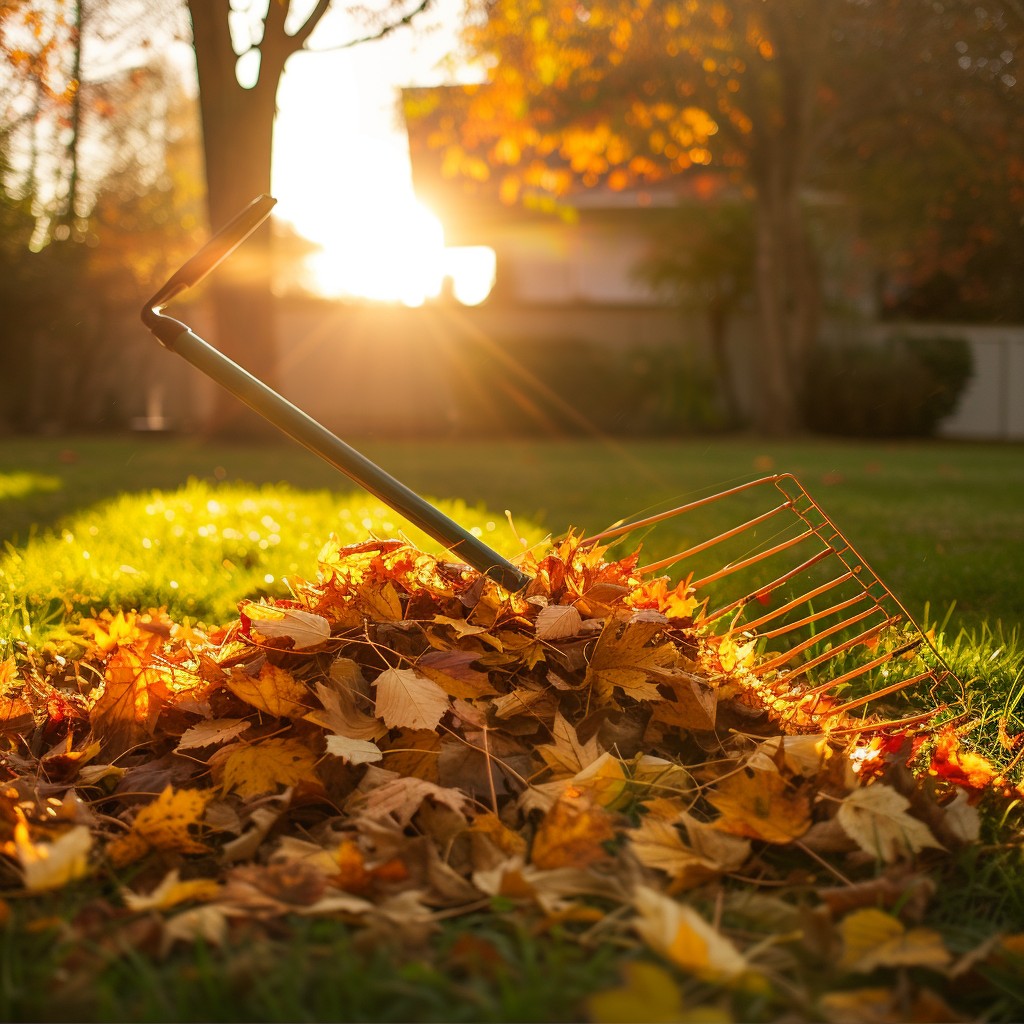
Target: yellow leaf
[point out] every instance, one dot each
(168, 823)
(252, 769)
(681, 935)
(274, 691)
(172, 891)
(406, 699)
(648, 993)
(873, 938)
(52, 865)
(761, 805)
(876, 819)
(658, 844)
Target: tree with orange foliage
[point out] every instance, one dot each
(618, 93)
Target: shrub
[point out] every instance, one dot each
(903, 387)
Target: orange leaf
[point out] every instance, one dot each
(274, 691)
(572, 832)
(252, 769)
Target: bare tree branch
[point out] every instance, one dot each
(382, 33)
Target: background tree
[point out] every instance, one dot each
(240, 57)
(768, 92)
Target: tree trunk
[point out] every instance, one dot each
(238, 127)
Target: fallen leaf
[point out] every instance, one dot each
(353, 751)
(622, 659)
(408, 699)
(208, 923)
(647, 993)
(761, 805)
(275, 691)
(304, 629)
(252, 769)
(571, 833)
(212, 733)
(873, 938)
(168, 823)
(558, 622)
(678, 933)
(400, 797)
(172, 891)
(876, 819)
(52, 865)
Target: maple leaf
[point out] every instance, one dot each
(304, 629)
(274, 691)
(408, 699)
(622, 659)
(658, 844)
(761, 805)
(165, 824)
(571, 833)
(678, 933)
(873, 938)
(252, 769)
(52, 865)
(212, 733)
(951, 762)
(389, 796)
(693, 704)
(353, 751)
(341, 713)
(565, 752)
(876, 819)
(125, 712)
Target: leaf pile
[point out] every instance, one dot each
(403, 741)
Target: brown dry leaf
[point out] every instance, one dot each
(353, 751)
(406, 699)
(168, 823)
(873, 938)
(399, 797)
(693, 704)
(658, 844)
(304, 629)
(208, 923)
(275, 691)
(622, 659)
(558, 622)
(761, 805)
(678, 933)
(572, 832)
(252, 769)
(565, 753)
(215, 732)
(453, 672)
(341, 714)
(876, 819)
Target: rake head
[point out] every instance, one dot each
(785, 584)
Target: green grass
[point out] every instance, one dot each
(941, 523)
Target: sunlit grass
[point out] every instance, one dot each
(200, 549)
(15, 486)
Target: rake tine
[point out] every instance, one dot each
(736, 566)
(814, 617)
(774, 585)
(854, 673)
(884, 692)
(767, 666)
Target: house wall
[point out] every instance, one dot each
(366, 370)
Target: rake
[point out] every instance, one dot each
(791, 585)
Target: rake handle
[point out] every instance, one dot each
(302, 428)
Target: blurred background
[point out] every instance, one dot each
(520, 217)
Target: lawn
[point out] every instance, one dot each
(175, 880)
(941, 523)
